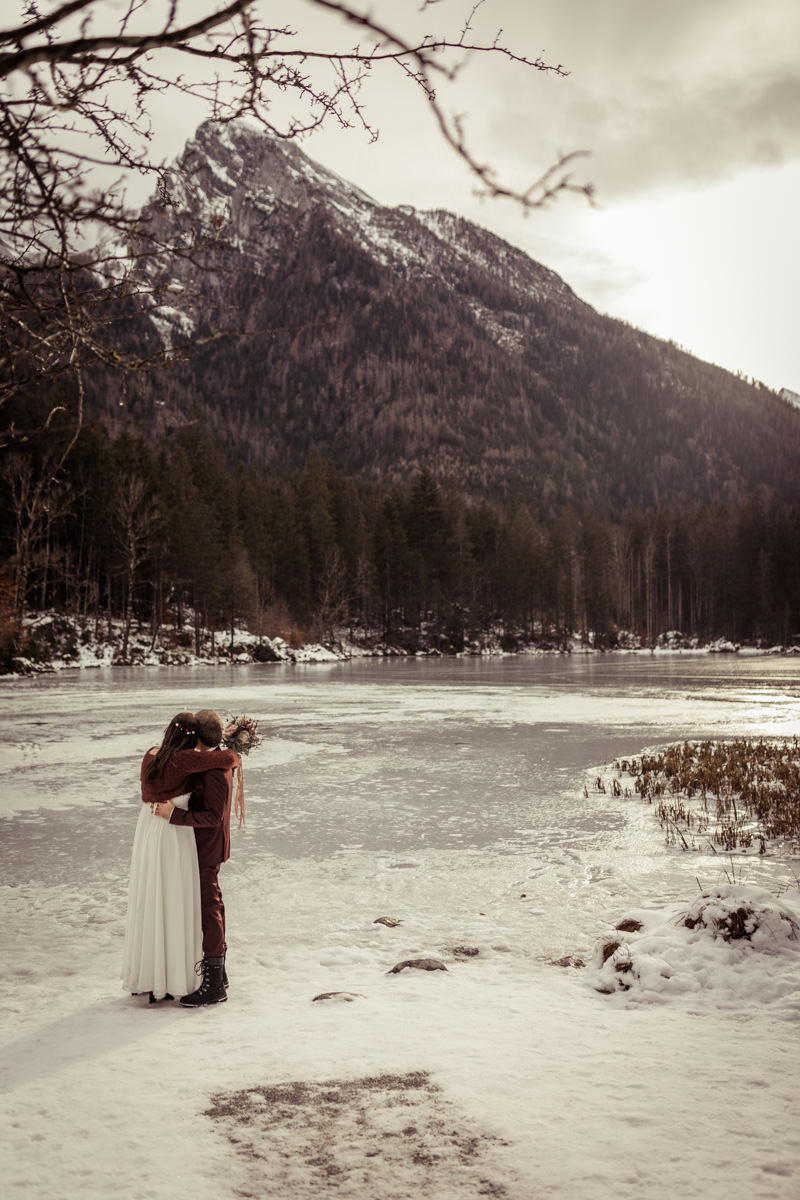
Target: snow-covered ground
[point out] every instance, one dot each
(450, 797)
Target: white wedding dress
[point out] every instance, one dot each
(163, 931)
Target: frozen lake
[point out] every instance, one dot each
(454, 787)
(448, 794)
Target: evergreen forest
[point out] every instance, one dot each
(170, 532)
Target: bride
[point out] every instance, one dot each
(163, 934)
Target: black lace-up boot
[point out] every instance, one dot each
(211, 990)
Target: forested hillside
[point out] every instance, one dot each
(393, 341)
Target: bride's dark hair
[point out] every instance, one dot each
(180, 734)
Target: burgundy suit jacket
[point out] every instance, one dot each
(212, 824)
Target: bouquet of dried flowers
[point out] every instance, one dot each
(241, 734)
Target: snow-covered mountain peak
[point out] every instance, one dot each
(232, 179)
(302, 314)
(237, 171)
(243, 200)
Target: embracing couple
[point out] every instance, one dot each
(182, 838)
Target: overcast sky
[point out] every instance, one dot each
(691, 113)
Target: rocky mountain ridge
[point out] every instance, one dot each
(394, 341)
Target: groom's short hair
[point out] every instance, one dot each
(209, 727)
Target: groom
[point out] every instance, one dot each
(209, 814)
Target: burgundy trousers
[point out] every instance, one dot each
(212, 913)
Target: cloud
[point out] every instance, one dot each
(686, 93)
(669, 134)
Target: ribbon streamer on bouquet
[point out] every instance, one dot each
(238, 793)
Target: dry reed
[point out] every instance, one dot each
(736, 795)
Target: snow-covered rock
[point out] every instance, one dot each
(664, 954)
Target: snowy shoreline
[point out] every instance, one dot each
(60, 643)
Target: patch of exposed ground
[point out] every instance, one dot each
(393, 1136)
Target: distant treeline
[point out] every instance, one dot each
(170, 531)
